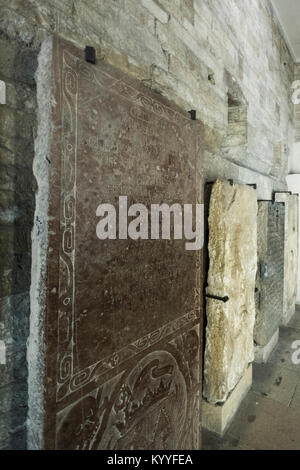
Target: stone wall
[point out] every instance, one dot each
(211, 56)
(17, 188)
(224, 58)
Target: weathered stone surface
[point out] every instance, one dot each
(217, 418)
(123, 317)
(270, 270)
(17, 123)
(14, 319)
(232, 270)
(172, 46)
(291, 202)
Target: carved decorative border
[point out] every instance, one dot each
(69, 382)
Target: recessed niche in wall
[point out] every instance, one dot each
(236, 138)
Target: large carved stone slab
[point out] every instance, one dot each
(270, 271)
(232, 270)
(291, 202)
(123, 317)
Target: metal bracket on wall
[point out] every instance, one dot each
(279, 192)
(216, 297)
(192, 112)
(90, 54)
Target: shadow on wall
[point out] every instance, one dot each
(293, 182)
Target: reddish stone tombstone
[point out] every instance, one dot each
(123, 317)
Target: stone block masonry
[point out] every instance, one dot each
(184, 49)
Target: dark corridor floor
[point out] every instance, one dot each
(269, 417)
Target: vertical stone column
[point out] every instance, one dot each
(293, 182)
(291, 202)
(269, 281)
(230, 305)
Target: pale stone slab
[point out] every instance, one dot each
(262, 353)
(232, 270)
(291, 202)
(217, 418)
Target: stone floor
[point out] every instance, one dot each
(269, 417)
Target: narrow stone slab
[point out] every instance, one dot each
(270, 271)
(217, 418)
(232, 270)
(291, 202)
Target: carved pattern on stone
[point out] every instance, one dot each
(145, 407)
(89, 360)
(69, 382)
